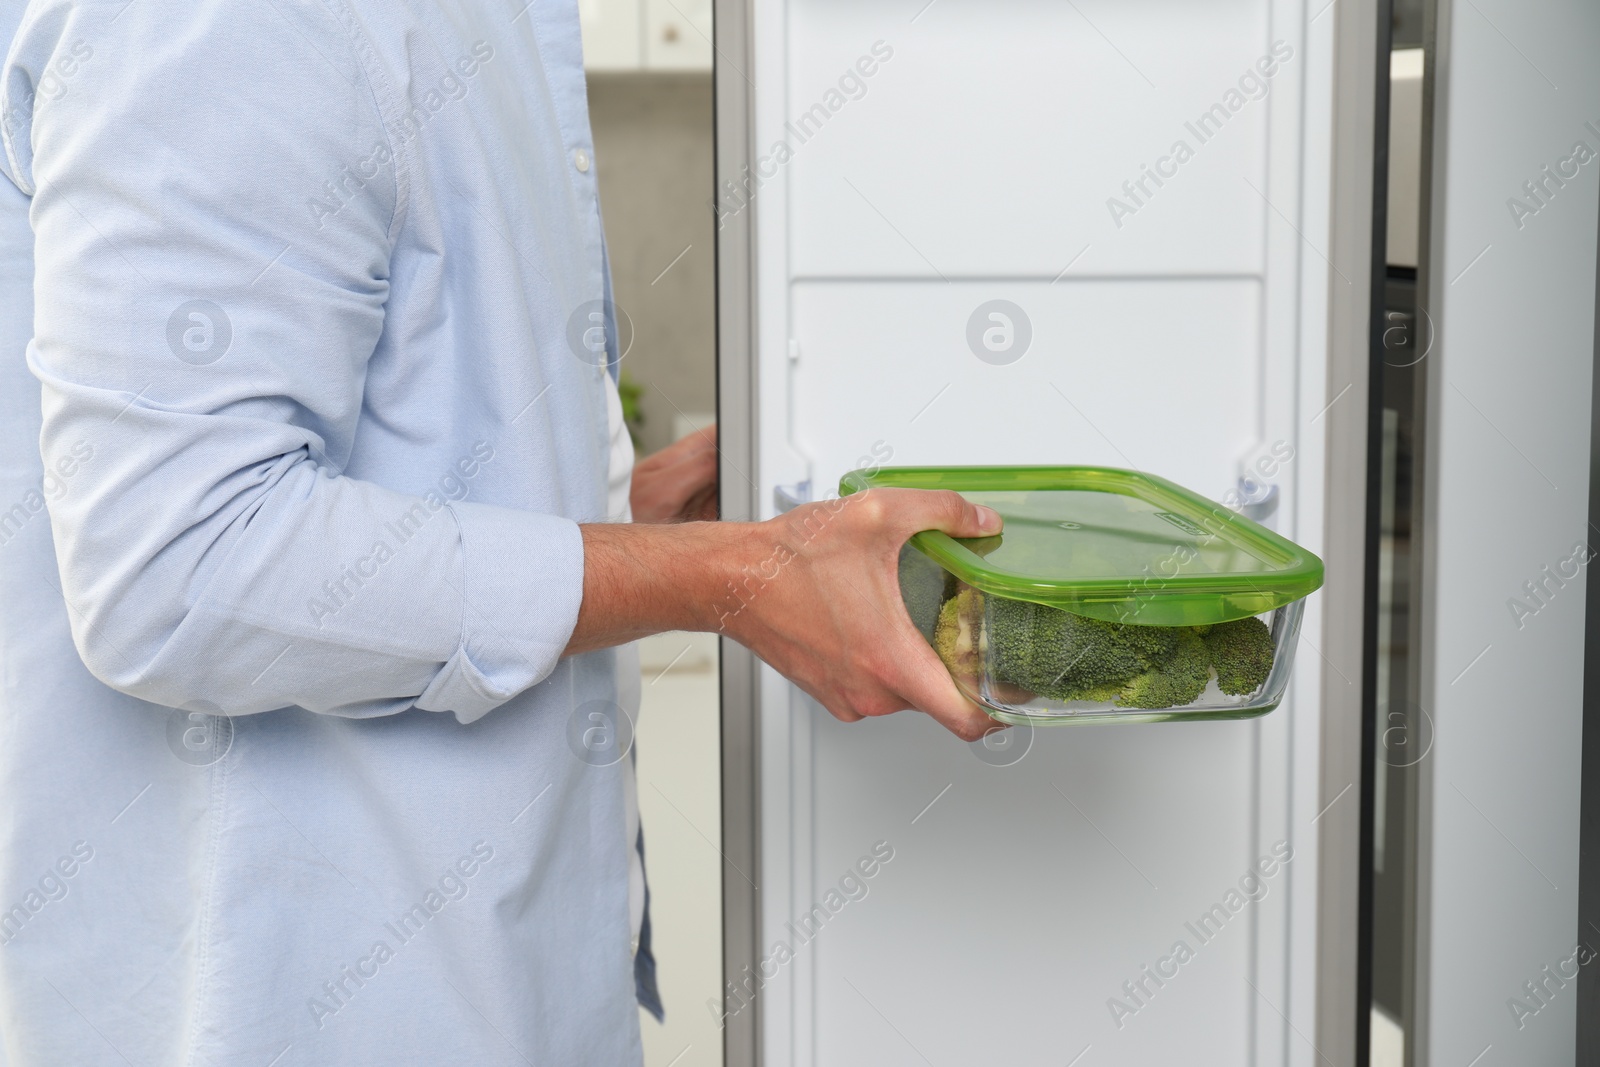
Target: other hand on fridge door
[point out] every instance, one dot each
(678, 483)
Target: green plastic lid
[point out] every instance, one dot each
(1110, 544)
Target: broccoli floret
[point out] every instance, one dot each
(1103, 694)
(1178, 679)
(1058, 654)
(961, 642)
(1154, 643)
(1242, 652)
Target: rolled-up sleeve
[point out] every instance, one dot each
(215, 199)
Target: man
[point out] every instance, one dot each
(291, 284)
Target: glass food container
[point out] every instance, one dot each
(1110, 596)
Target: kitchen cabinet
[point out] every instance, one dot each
(677, 34)
(654, 35)
(612, 34)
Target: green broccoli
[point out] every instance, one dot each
(1179, 679)
(1242, 653)
(1033, 649)
(961, 642)
(1058, 654)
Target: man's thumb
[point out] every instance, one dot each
(984, 520)
(963, 519)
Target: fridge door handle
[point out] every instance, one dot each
(1257, 499)
(789, 497)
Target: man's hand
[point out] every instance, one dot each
(815, 593)
(830, 618)
(678, 483)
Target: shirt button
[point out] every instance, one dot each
(580, 159)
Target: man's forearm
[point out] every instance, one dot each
(640, 579)
(814, 592)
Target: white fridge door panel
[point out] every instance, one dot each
(974, 164)
(994, 138)
(1018, 903)
(1162, 376)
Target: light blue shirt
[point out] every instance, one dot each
(303, 308)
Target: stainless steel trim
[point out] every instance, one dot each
(740, 502)
(1436, 22)
(1355, 49)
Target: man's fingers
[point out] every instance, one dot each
(926, 685)
(696, 457)
(947, 706)
(935, 694)
(951, 513)
(700, 441)
(693, 447)
(924, 682)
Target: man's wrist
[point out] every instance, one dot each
(643, 579)
(717, 556)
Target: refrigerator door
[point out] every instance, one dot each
(1024, 232)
